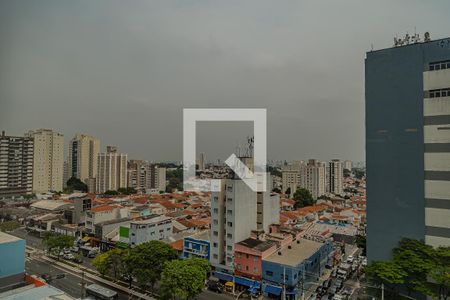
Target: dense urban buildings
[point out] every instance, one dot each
(112, 170)
(16, 165)
(407, 145)
(83, 157)
(48, 161)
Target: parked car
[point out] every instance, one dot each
(333, 290)
(334, 273)
(350, 259)
(215, 286)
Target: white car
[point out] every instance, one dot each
(350, 258)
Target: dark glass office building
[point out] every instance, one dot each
(398, 193)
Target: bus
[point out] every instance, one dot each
(95, 291)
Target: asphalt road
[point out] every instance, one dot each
(71, 284)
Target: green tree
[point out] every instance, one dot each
(303, 198)
(75, 184)
(147, 261)
(347, 173)
(9, 225)
(127, 191)
(175, 178)
(183, 279)
(416, 260)
(56, 243)
(111, 263)
(386, 272)
(111, 193)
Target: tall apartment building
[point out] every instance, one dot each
(201, 161)
(48, 165)
(112, 170)
(144, 176)
(157, 178)
(16, 165)
(408, 145)
(335, 177)
(313, 177)
(137, 175)
(83, 157)
(348, 165)
(290, 176)
(236, 211)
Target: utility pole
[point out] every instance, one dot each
(82, 284)
(382, 291)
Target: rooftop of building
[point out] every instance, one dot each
(152, 219)
(301, 250)
(411, 44)
(256, 244)
(32, 292)
(50, 204)
(203, 235)
(7, 238)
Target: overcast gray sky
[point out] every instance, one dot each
(124, 70)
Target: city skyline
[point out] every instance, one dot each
(91, 67)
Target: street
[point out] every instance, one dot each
(71, 283)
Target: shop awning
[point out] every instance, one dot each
(244, 281)
(223, 276)
(86, 239)
(273, 289)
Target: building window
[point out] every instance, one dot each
(229, 235)
(230, 199)
(230, 224)
(215, 233)
(229, 212)
(216, 210)
(269, 273)
(246, 268)
(238, 266)
(255, 270)
(229, 248)
(440, 65)
(215, 256)
(438, 93)
(216, 222)
(215, 245)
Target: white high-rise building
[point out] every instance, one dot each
(48, 162)
(290, 176)
(335, 176)
(83, 157)
(112, 170)
(348, 165)
(236, 211)
(313, 177)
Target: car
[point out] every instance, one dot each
(326, 284)
(337, 297)
(333, 290)
(350, 258)
(338, 283)
(69, 256)
(334, 273)
(60, 276)
(215, 286)
(77, 260)
(47, 277)
(364, 262)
